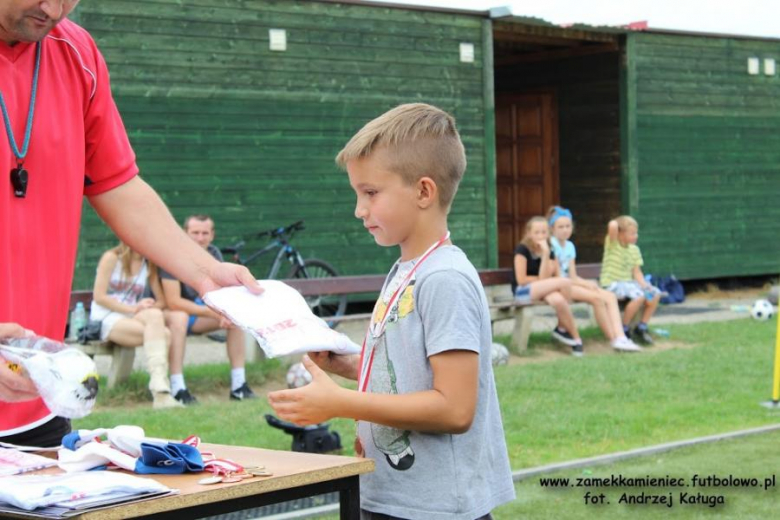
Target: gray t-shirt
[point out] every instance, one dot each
(425, 475)
(187, 292)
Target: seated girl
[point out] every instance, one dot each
(130, 320)
(536, 279)
(604, 303)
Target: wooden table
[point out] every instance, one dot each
(295, 475)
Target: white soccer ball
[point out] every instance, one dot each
(499, 354)
(762, 310)
(298, 376)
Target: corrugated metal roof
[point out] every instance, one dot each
(530, 20)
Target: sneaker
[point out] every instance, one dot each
(242, 392)
(576, 350)
(642, 336)
(185, 397)
(162, 400)
(626, 345)
(564, 337)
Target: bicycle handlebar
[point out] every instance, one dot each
(281, 231)
(274, 233)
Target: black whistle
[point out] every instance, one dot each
(19, 181)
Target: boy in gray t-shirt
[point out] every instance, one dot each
(426, 403)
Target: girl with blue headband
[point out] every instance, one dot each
(604, 303)
(536, 279)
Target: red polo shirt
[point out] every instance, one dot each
(78, 147)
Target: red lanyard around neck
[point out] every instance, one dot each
(376, 332)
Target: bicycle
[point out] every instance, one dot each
(324, 306)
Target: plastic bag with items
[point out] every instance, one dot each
(280, 320)
(65, 377)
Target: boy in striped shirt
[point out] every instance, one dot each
(621, 273)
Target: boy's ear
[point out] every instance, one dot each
(427, 192)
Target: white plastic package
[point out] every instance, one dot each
(65, 377)
(280, 320)
(29, 492)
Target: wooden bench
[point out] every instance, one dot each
(122, 358)
(502, 307)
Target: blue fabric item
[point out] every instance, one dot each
(156, 459)
(559, 212)
(565, 254)
(173, 458)
(69, 441)
(672, 286)
(523, 294)
(193, 317)
(191, 456)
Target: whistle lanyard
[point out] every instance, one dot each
(21, 154)
(376, 332)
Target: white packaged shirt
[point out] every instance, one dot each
(280, 320)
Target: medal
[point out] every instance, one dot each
(359, 448)
(210, 480)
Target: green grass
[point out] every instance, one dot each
(754, 456)
(574, 408)
(552, 411)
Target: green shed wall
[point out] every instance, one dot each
(706, 142)
(222, 125)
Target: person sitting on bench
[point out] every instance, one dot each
(130, 320)
(604, 303)
(621, 273)
(536, 279)
(181, 297)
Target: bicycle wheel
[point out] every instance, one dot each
(326, 305)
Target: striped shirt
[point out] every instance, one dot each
(618, 262)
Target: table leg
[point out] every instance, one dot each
(349, 499)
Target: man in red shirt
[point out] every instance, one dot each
(62, 138)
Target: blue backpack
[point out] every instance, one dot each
(671, 285)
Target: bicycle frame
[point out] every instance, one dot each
(285, 249)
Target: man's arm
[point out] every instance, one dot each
(140, 218)
(173, 298)
(448, 407)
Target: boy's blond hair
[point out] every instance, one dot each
(420, 140)
(625, 222)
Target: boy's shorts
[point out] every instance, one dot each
(523, 293)
(631, 290)
(193, 317)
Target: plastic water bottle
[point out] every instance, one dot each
(78, 320)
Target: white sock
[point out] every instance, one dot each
(237, 378)
(177, 383)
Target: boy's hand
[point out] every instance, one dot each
(312, 404)
(339, 364)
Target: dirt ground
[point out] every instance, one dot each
(592, 348)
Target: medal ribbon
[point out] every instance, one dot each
(365, 368)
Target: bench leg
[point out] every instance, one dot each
(121, 365)
(252, 350)
(523, 319)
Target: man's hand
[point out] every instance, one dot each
(312, 404)
(14, 387)
(14, 330)
(227, 275)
